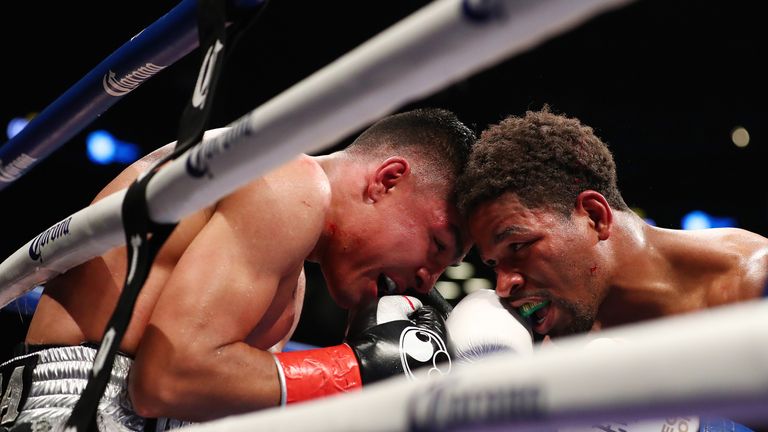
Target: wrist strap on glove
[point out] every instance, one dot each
(317, 372)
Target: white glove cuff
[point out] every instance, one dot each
(281, 377)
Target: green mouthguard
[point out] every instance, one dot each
(528, 309)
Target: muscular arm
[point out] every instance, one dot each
(193, 362)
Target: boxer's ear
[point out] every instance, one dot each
(386, 176)
(596, 207)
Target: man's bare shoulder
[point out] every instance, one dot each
(297, 190)
(302, 178)
(756, 261)
(749, 251)
(747, 242)
(285, 209)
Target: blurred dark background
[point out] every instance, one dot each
(664, 83)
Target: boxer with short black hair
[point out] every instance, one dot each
(226, 289)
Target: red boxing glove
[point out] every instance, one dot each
(318, 372)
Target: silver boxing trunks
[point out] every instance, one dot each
(39, 390)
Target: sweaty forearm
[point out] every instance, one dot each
(200, 386)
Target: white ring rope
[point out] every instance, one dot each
(712, 362)
(431, 49)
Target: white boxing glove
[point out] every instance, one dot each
(482, 324)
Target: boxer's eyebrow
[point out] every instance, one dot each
(508, 231)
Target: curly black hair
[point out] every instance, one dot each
(545, 159)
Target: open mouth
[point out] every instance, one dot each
(385, 285)
(536, 312)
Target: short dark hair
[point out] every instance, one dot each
(545, 159)
(435, 136)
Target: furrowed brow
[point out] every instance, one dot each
(506, 232)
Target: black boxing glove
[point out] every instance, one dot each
(434, 299)
(397, 335)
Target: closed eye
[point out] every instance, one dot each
(440, 246)
(518, 246)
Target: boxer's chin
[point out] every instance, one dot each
(580, 323)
